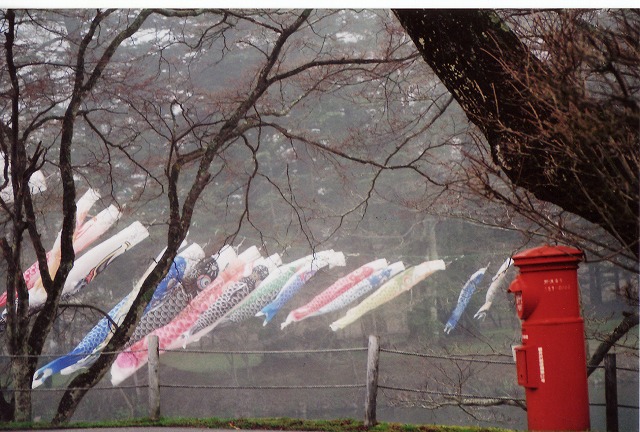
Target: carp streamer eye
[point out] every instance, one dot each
(203, 281)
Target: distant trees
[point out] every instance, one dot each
(554, 95)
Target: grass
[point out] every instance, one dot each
(283, 424)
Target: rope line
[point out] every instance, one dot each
(458, 395)
(54, 389)
(455, 358)
(628, 369)
(309, 351)
(602, 404)
(9, 356)
(278, 387)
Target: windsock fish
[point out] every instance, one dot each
(101, 332)
(92, 338)
(179, 296)
(84, 234)
(83, 206)
(92, 229)
(361, 288)
(268, 289)
(184, 261)
(91, 264)
(135, 357)
(463, 299)
(496, 281)
(337, 288)
(394, 287)
(87, 234)
(232, 295)
(296, 282)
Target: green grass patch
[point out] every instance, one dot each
(283, 424)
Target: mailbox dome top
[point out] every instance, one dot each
(548, 254)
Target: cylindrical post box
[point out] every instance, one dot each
(551, 362)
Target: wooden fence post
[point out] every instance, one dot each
(611, 392)
(154, 379)
(373, 359)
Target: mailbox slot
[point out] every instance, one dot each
(527, 366)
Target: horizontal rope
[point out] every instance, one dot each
(184, 351)
(309, 351)
(66, 354)
(627, 369)
(39, 389)
(283, 387)
(619, 406)
(454, 358)
(458, 395)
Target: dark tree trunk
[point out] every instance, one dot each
(533, 124)
(6, 410)
(628, 322)
(514, 100)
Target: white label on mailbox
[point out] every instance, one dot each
(541, 362)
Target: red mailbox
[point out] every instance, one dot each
(551, 362)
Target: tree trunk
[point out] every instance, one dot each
(22, 389)
(517, 105)
(6, 409)
(628, 322)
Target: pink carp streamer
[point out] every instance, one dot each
(32, 274)
(83, 206)
(268, 289)
(361, 288)
(89, 265)
(394, 287)
(85, 234)
(297, 281)
(337, 288)
(231, 297)
(161, 311)
(135, 357)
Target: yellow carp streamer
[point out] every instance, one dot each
(397, 285)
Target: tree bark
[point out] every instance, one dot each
(628, 322)
(512, 98)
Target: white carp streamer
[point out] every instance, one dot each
(492, 291)
(86, 232)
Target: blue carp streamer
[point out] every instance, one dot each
(463, 299)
